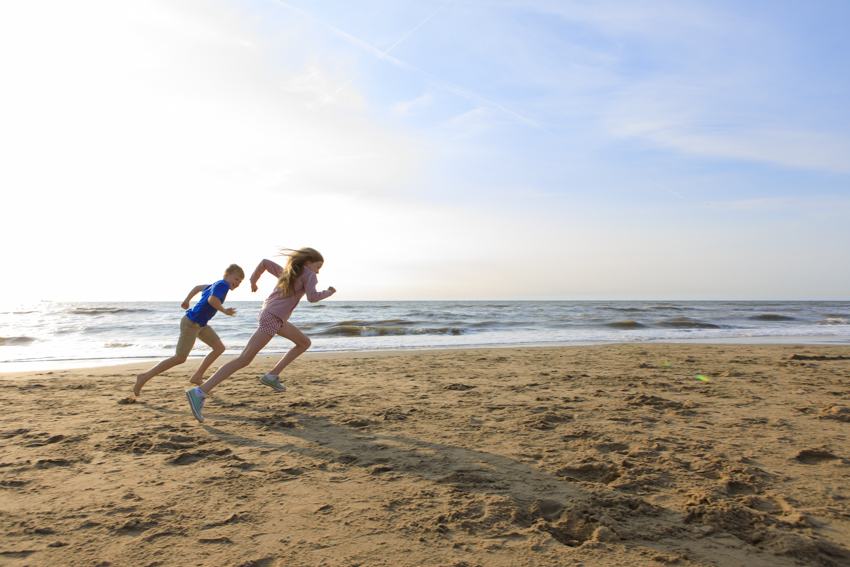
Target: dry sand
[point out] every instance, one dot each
(593, 456)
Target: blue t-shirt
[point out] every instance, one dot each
(202, 312)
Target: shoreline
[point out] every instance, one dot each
(14, 367)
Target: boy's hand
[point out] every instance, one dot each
(229, 311)
(185, 305)
(254, 286)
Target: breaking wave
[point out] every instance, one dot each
(16, 341)
(625, 325)
(771, 317)
(835, 321)
(685, 323)
(104, 311)
(376, 331)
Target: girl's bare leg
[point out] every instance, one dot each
(302, 343)
(217, 350)
(255, 344)
(142, 379)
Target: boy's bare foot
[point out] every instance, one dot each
(196, 381)
(137, 389)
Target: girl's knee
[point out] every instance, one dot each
(306, 343)
(180, 359)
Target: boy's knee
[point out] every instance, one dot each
(218, 349)
(180, 359)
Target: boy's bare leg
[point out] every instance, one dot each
(217, 350)
(142, 379)
(302, 343)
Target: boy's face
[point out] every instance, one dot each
(232, 280)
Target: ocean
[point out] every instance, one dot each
(55, 335)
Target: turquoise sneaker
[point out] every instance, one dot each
(273, 384)
(196, 403)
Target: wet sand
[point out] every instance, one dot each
(644, 455)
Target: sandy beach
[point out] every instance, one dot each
(646, 455)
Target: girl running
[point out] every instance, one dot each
(294, 280)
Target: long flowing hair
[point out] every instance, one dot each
(295, 260)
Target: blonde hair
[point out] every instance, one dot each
(294, 267)
(235, 270)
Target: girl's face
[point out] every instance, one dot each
(313, 266)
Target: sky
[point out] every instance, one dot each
(431, 150)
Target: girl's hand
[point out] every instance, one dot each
(332, 289)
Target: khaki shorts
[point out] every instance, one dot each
(189, 332)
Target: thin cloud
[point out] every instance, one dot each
(666, 189)
(652, 19)
(468, 124)
(813, 206)
(436, 81)
(417, 27)
(410, 107)
(383, 54)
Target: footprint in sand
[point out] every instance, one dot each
(549, 510)
(599, 473)
(813, 456)
(189, 457)
(836, 412)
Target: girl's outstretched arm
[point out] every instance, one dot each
(265, 266)
(310, 289)
(195, 291)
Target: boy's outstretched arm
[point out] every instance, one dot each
(195, 291)
(216, 302)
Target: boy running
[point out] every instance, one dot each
(194, 326)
